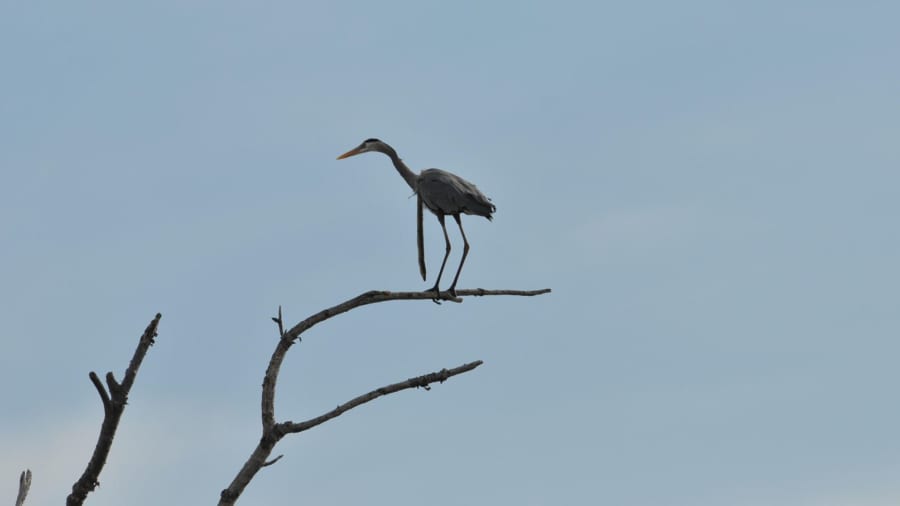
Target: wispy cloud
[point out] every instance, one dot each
(165, 449)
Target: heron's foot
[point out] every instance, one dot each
(437, 294)
(452, 291)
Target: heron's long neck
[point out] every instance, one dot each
(408, 175)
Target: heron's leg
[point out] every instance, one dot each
(446, 254)
(465, 252)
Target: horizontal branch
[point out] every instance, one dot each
(376, 296)
(419, 381)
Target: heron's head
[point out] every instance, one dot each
(366, 146)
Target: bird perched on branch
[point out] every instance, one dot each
(443, 193)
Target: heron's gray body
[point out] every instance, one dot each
(443, 193)
(446, 193)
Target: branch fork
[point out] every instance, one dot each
(272, 432)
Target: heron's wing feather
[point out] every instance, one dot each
(420, 236)
(448, 193)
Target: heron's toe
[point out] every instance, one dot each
(437, 294)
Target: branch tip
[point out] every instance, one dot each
(24, 487)
(115, 389)
(151, 331)
(104, 397)
(280, 321)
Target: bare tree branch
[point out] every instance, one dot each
(288, 338)
(24, 486)
(420, 381)
(274, 434)
(113, 406)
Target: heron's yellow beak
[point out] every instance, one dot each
(354, 151)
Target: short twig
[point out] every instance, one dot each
(280, 321)
(270, 462)
(100, 390)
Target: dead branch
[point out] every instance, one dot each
(289, 337)
(24, 486)
(272, 432)
(113, 405)
(417, 382)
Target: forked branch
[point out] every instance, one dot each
(114, 403)
(289, 337)
(24, 486)
(272, 432)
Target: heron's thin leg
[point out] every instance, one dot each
(465, 252)
(446, 254)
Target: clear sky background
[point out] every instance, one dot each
(710, 188)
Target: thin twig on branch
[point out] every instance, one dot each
(270, 462)
(280, 322)
(421, 381)
(24, 486)
(113, 405)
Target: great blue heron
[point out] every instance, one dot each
(443, 193)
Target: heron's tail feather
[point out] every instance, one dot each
(484, 208)
(420, 236)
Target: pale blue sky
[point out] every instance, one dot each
(710, 188)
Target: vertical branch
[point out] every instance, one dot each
(24, 486)
(270, 436)
(113, 405)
